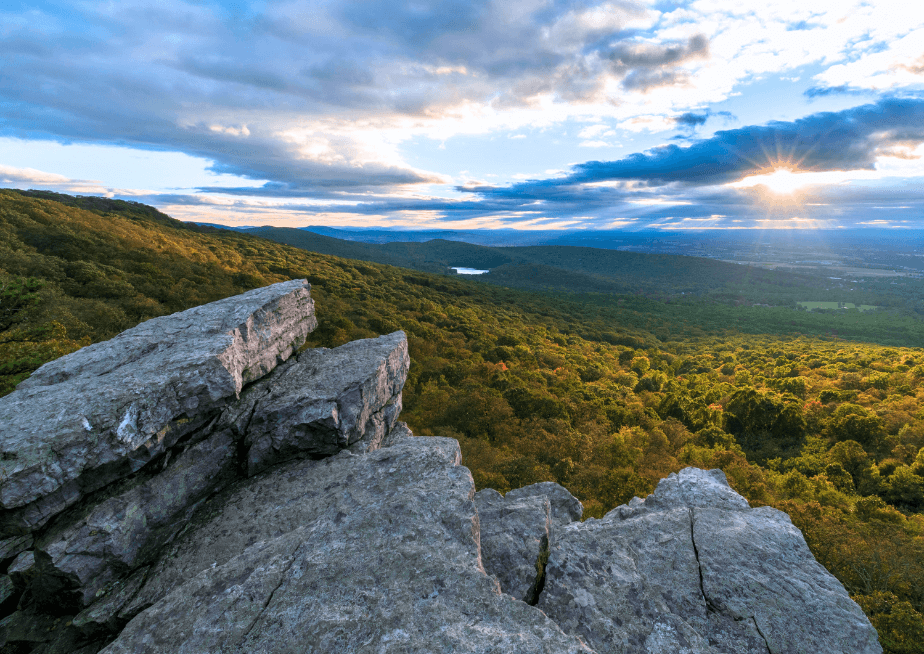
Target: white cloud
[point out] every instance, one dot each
(596, 131)
(900, 64)
(30, 177)
(11, 175)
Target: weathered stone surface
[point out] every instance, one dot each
(355, 553)
(693, 569)
(91, 417)
(22, 569)
(514, 533)
(771, 578)
(12, 546)
(327, 400)
(516, 529)
(6, 588)
(128, 530)
(106, 612)
(565, 507)
(26, 628)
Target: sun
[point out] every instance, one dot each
(782, 181)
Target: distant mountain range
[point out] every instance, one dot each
(564, 267)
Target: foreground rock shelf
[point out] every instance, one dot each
(230, 495)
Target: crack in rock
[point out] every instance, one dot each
(757, 627)
(532, 597)
(283, 577)
(710, 607)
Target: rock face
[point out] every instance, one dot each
(516, 531)
(192, 486)
(378, 553)
(693, 568)
(103, 412)
(327, 401)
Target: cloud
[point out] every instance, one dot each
(853, 139)
(30, 177)
(822, 91)
(11, 175)
(888, 64)
(691, 119)
(300, 96)
(645, 66)
(316, 104)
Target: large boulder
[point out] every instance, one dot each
(514, 539)
(516, 530)
(103, 412)
(692, 568)
(325, 401)
(127, 530)
(315, 404)
(355, 553)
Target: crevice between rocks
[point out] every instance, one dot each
(532, 596)
(710, 607)
(241, 445)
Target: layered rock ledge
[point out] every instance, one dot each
(103, 412)
(194, 485)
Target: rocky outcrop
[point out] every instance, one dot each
(516, 531)
(692, 568)
(377, 553)
(216, 492)
(330, 400)
(88, 419)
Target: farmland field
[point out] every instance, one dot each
(837, 305)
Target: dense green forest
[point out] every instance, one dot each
(600, 392)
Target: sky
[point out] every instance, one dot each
(473, 114)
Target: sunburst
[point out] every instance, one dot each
(781, 181)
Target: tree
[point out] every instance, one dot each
(17, 295)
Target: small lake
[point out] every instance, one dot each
(469, 271)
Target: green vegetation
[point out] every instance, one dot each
(605, 394)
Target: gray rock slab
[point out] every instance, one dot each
(22, 569)
(770, 578)
(692, 568)
(514, 532)
(128, 530)
(93, 416)
(375, 552)
(565, 507)
(327, 400)
(7, 590)
(399, 431)
(106, 611)
(10, 547)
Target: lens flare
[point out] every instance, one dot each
(782, 181)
